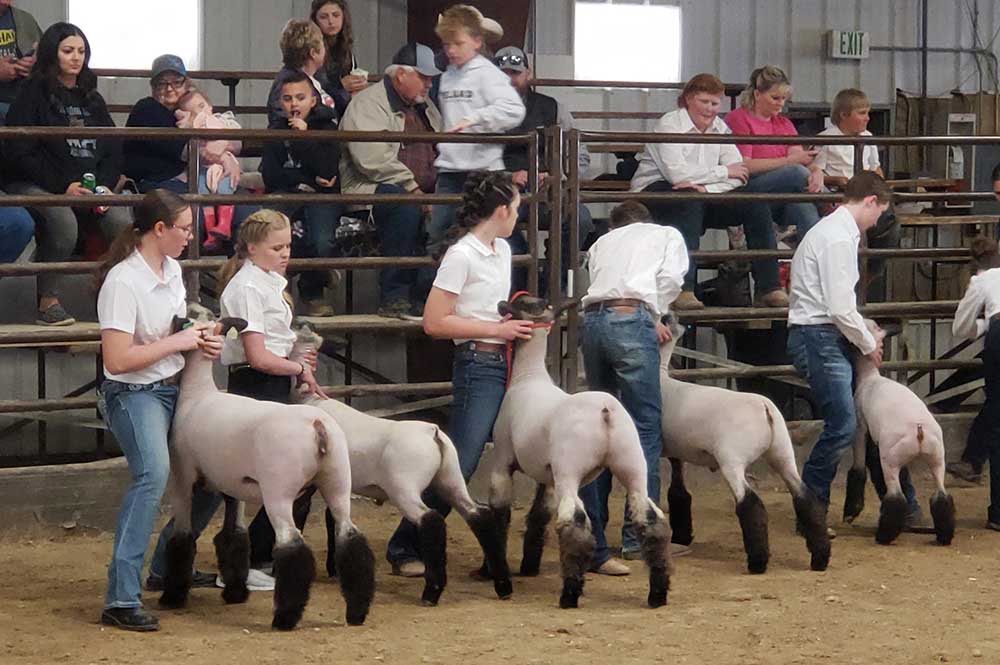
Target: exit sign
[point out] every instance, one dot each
(849, 44)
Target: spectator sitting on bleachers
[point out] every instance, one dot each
(19, 35)
(713, 168)
(541, 111)
(475, 97)
(398, 103)
(849, 115)
(775, 169)
(302, 50)
(16, 229)
(334, 20)
(305, 167)
(159, 163)
(62, 92)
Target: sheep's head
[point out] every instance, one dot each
(531, 308)
(197, 313)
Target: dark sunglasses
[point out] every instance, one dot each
(511, 59)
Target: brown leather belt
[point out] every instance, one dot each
(633, 303)
(485, 347)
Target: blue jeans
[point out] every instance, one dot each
(786, 180)
(691, 218)
(139, 416)
(822, 355)
(621, 355)
(319, 221)
(16, 229)
(479, 382)
(400, 232)
(443, 216)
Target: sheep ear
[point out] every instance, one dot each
(179, 323)
(564, 305)
(504, 308)
(230, 322)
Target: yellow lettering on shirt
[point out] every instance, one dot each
(7, 37)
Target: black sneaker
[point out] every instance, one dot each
(995, 526)
(130, 618)
(54, 315)
(202, 580)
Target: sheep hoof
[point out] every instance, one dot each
(529, 569)
(891, 519)
(504, 588)
(854, 501)
(753, 521)
(657, 599)
(570, 597)
(432, 594)
(943, 514)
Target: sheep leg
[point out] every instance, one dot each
(331, 544)
(893, 512)
(485, 523)
(232, 550)
(679, 501)
(433, 537)
(294, 563)
(752, 515)
(534, 536)
(181, 548)
(501, 497)
(654, 532)
(354, 558)
(576, 540)
(810, 514)
(857, 476)
(942, 504)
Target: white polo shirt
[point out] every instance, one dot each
(642, 261)
(979, 305)
(258, 297)
(479, 275)
(838, 160)
(135, 301)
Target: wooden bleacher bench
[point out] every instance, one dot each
(946, 220)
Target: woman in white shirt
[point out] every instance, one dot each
(253, 283)
(977, 314)
(141, 292)
(474, 276)
(704, 167)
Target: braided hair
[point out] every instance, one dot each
(485, 191)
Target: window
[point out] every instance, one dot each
(129, 34)
(614, 42)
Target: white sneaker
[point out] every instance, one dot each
(257, 580)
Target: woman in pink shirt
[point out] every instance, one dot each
(787, 169)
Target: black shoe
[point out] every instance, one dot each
(965, 471)
(916, 523)
(202, 580)
(995, 526)
(130, 618)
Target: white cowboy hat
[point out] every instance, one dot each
(492, 31)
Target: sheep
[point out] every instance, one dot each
(397, 461)
(903, 428)
(563, 442)
(727, 430)
(261, 452)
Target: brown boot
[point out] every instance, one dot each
(776, 298)
(687, 300)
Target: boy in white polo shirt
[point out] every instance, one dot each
(636, 272)
(825, 328)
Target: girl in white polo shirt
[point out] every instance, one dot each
(474, 276)
(253, 284)
(141, 291)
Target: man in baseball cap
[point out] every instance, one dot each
(398, 103)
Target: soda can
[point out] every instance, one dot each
(101, 190)
(89, 181)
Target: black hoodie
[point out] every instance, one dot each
(53, 164)
(287, 164)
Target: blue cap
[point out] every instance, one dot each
(168, 63)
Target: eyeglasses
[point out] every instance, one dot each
(187, 229)
(175, 84)
(511, 59)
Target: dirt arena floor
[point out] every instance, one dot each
(912, 602)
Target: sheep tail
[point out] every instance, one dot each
(920, 433)
(606, 416)
(322, 437)
(770, 420)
